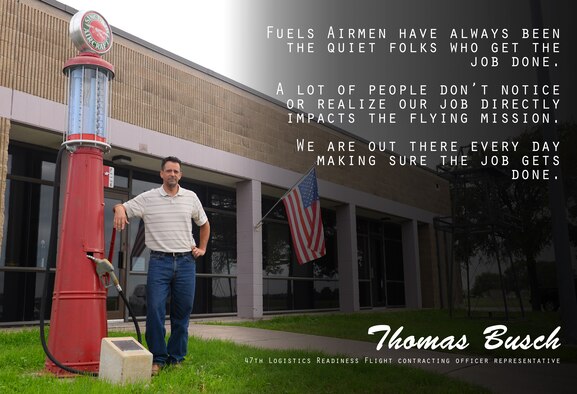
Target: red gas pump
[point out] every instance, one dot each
(78, 318)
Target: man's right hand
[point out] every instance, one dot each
(120, 219)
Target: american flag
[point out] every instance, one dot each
(303, 208)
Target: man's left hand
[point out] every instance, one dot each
(198, 252)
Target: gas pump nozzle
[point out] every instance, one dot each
(105, 270)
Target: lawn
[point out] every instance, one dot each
(422, 323)
(223, 367)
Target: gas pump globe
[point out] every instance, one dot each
(88, 82)
(78, 317)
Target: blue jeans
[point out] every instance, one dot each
(174, 276)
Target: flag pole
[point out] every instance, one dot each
(259, 224)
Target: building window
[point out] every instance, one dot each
(21, 294)
(380, 263)
(221, 254)
(221, 199)
(27, 224)
(216, 270)
(288, 285)
(27, 219)
(276, 256)
(214, 294)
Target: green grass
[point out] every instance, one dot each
(422, 323)
(495, 301)
(223, 367)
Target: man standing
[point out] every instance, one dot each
(167, 213)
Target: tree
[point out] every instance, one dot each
(527, 201)
(484, 282)
(498, 215)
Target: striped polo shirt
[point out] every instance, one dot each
(167, 219)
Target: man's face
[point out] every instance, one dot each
(170, 174)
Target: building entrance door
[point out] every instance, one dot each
(114, 304)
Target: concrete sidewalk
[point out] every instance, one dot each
(483, 371)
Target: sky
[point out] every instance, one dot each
(194, 30)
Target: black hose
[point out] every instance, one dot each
(131, 316)
(119, 288)
(52, 261)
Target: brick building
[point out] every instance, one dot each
(239, 156)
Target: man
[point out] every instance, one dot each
(167, 213)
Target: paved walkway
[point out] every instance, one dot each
(499, 378)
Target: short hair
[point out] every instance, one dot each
(171, 159)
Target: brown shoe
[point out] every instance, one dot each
(155, 369)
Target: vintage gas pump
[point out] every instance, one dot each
(78, 318)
